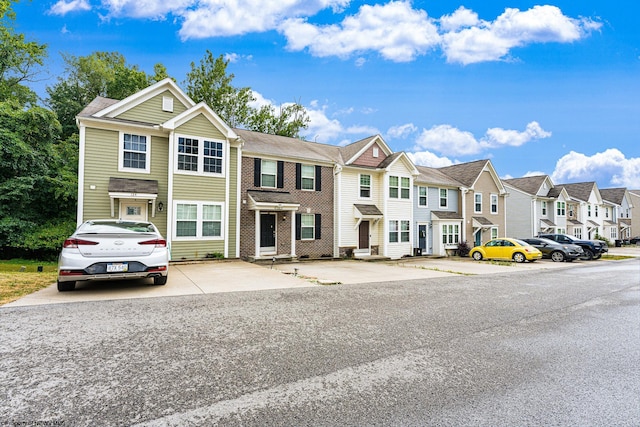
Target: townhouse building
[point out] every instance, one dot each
(618, 212)
(584, 210)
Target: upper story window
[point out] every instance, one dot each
(596, 210)
(134, 153)
(365, 186)
(544, 208)
(589, 210)
(560, 208)
(269, 173)
(405, 188)
(308, 177)
(200, 156)
(477, 202)
(606, 212)
(494, 203)
(399, 187)
(444, 197)
(422, 196)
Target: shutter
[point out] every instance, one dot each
(298, 176)
(257, 172)
(318, 226)
(318, 178)
(280, 174)
(298, 226)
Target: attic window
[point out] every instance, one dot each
(167, 104)
(375, 152)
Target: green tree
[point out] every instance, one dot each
(209, 82)
(20, 60)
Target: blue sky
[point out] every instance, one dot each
(537, 87)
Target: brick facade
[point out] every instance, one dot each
(312, 202)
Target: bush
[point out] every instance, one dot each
(463, 249)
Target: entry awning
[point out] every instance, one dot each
(367, 211)
(548, 224)
(445, 215)
(592, 224)
(128, 188)
(260, 200)
(482, 222)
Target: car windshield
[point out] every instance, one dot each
(521, 242)
(100, 227)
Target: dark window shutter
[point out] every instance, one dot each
(298, 176)
(318, 178)
(257, 172)
(298, 226)
(280, 174)
(318, 226)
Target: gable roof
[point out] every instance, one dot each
(98, 104)
(529, 184)
(435, 176)
(282, 146)
(468, 173)
(614, 195)
(581, 190)
(351, 152)
(400, 155)
(207, 112)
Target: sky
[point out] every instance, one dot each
(536, 87)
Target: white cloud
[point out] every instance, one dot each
(461, 18)
(610, 164)
(402, 131)
(427, 158)
(62, 7)
(395, 30)
(492, 41)
(448, 140)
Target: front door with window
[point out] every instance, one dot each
(422, 236)
(267, 233)
(363, 236)
(133, 210)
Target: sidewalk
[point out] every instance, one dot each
(237, 276)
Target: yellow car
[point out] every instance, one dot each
(505, 248)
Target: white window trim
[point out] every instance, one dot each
(200, 171)
(199, 220)
(497, 204)
(360, 186)
(426, 196)
(302, 177)
(474, 202)
(564, 208)
(494, 230)
(446, 199)
(313, 227)
(121, 167)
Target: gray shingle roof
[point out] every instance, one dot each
(579, 190)
(348, 151)
(614, 195)
(435, 176)
(98, 104)
(265, 196)
(466, 173)
(446, 215)
(128, 185)
(369, 210)
(530, 184)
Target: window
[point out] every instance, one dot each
(198, 220)
(404, 231)
(134, 152)
(596, 210)
(606, 212)
(494, 203)
(477, 207)
(393, 187)
(200, 156)
(450, 234)
(422, 196)
(376, 152)
(307, 226)
(494, 233)
(544, 208)
(365, 186)
(614, 233)
(212, 157)
(405, 188)
(269, 173)
(308, 177)
(560, 208)
(589, 210)
(393, 231)
(187, 154)
(577, 232)
(444, 196)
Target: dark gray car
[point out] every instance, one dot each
(558, 252)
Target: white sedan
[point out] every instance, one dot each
(113, 250)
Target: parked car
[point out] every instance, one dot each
(635, 240)
(506, 248)
(593, 249)
(113, 250)
(557, 252)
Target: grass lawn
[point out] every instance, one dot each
(21, 277)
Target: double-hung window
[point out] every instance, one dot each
(213, 157)
(405, 188)
(200, 156)
(134, 152)
(393, 231)
(544, 208)
(201, 220)
(560, 208)
(365, 186)
(422, 197)
(444, 196)
(477, 205)
(188, 154)
(308, 177)
(494, 203)
(307, 226)
(269, 172)
(393, 187)
(450, 234)
(404, 231)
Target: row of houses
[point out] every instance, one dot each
(216, 191)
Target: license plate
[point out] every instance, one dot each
(121, 267)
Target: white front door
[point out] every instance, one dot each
(133, 210)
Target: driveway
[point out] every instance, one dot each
(236, 276)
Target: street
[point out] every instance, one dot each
(550, 347)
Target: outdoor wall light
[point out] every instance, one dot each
(160, 206)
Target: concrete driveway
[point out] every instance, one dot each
(237, 276)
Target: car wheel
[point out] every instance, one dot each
(519, 257)
(598, 256)
(588, 255)
(477, 256)
(557, 256)
(160, 280)
(66, 286)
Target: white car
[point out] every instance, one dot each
(113, 250)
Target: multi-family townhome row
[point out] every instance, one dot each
(216, 191)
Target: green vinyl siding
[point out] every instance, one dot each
(151, 110)
(200, 126)
(194, 249)
(190, 187)
(100, 163)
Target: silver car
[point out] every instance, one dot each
(113, 250)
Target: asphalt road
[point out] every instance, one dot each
(553, 347)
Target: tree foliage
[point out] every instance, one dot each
(209, 82)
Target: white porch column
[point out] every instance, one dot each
(257, 236)
(293, 233)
